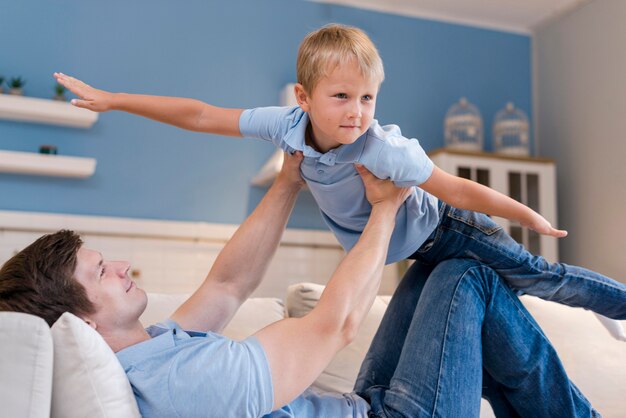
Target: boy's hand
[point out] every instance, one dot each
(90, 98)
(539, 224)
(290, 171)
(379, 191)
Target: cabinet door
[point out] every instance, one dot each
(524, 187)
(529, 181)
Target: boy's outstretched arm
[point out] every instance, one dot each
(467, 194)
(189, 114)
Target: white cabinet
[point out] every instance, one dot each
(529, 180)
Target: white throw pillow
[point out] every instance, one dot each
(254, 313)
(88, 379)
(340, 375)
(161, 306)
(25, 366)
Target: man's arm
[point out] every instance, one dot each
(240, 266)
(298, 349)
(467, 194)
(189, 114)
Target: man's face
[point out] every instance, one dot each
(118, 301)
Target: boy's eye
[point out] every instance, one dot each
(367, 98)
(341, 95)
(102, 272)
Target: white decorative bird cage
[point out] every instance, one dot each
(463, 127)
(510, 132)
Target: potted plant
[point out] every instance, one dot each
(1, 84)
(16, 85)
(59, 93)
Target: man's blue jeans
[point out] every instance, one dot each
(463, 333)
(467, 234)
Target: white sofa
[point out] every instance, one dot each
(68, 371)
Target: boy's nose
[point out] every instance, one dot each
(355, 111)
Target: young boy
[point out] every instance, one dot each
(339, 73)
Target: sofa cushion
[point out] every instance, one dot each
(594, 360)
(88, 379)
(340, 375)
(254, 313)
(25, 366)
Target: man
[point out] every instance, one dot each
(177, 371)
(112, 304)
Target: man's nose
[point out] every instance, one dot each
(121, 268)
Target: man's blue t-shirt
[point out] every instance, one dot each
(336, 185)
(188, 374)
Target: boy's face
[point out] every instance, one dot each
(117, 299)
(341, 106)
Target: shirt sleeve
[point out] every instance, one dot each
(402, 160)
(267, 123)
(234, 378)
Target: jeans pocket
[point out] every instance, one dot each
(430, 241)
(476, 220)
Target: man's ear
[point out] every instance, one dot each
(91, 323)
(302, 97)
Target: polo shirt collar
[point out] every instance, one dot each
(295, 139)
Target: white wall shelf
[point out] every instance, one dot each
(46, 165)
(52, 112)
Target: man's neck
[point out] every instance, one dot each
(122, 338)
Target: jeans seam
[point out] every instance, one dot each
(487, 231)
(445, 338)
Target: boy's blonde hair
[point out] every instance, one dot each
(323, 50)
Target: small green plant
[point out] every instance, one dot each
(59, 90)
(17, 83)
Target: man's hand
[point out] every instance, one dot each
(379, 191)
(290, 173)
(90, 98)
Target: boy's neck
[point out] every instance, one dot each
(309, 139)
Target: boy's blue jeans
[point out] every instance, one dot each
(466, 234)
(445, 341)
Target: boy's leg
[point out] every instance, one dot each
(467, 234)
(440, 368)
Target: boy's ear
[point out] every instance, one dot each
(301, 97)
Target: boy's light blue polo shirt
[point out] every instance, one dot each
(336, 185)
(194, 374)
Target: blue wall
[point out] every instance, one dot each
(236, 53)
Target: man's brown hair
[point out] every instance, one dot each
(39, 280)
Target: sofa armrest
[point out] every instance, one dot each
(26, 359)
